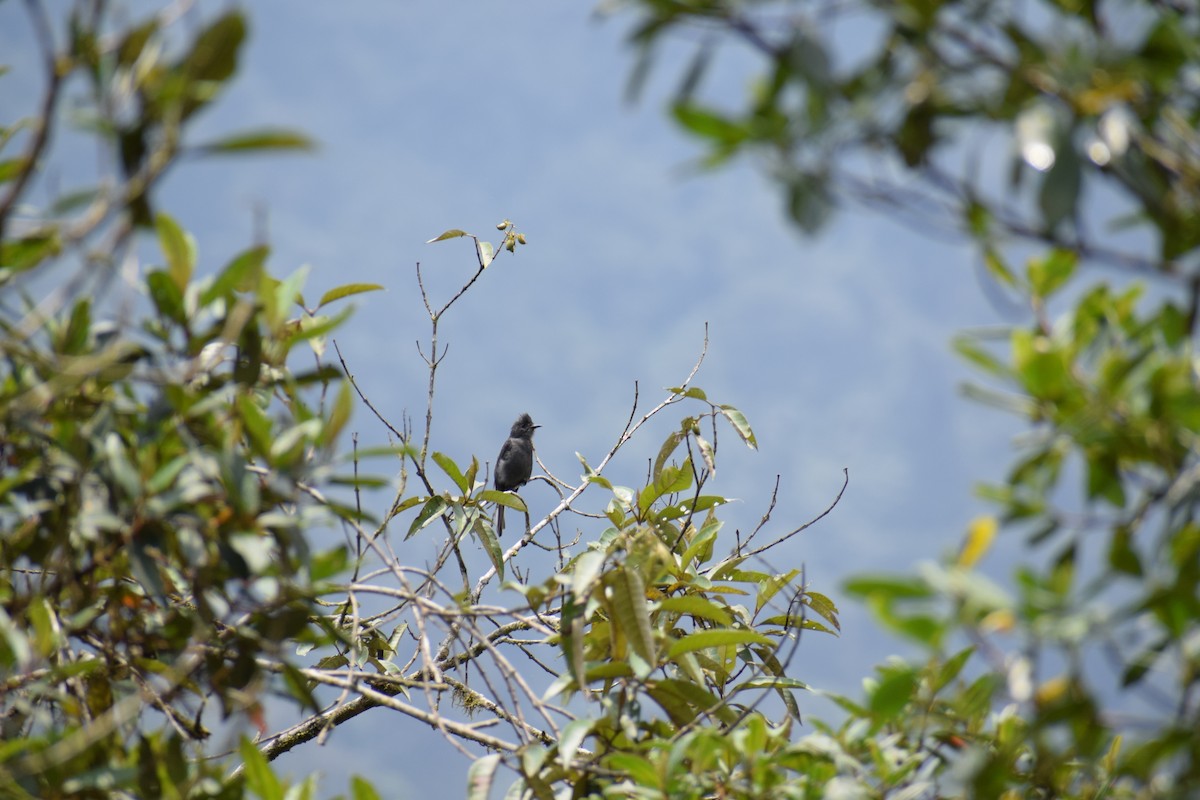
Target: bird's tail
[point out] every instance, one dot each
(499, 520)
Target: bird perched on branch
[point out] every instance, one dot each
(514, 465)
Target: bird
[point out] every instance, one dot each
(514, 465)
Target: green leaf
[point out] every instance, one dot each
(29, 251)
(257, 423)
(47, 631)
(346, 291)
(166, 296)
(11, 168)
(968, 347)
(451, 469)
(684, 700)
(888, 586)
(361, 789)
(584, 572)
(1048, 274)
(771, 683)
(628, 602)
(242, 274)
(823, 606)
(491, 543)
(339, 415)
(694, 391)
(486, 253)
(260, 779)
(134, 42)
(996, 267)
(506, 499)
(696, 606)
(179, 248)
(573, 736)
(709, 124)
(74, 338)
(255, 141)
(434, 506)
(453, 233)
(716, 638)
(951, 668)
(213, 58)
(1060, 187)
(739, 423)
(481, 775)
(893, 692)
(640, 772)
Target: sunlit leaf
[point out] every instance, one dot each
(453, 233)
(347, 290)
(980, 534)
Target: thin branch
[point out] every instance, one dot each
(811, 522)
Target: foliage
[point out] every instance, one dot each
(161, 461)
(170, 442)
(169, 451)
(1095, 102)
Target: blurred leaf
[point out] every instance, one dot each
(134, 42)
(241, 274)
(999, 270)
(1048, 274)
(967, 347)
(258, 140)
(980, 534)
(894, 690)
(339, 415)
(11, 168)
(179, 248)
(360, 789)
(890, 586)
(212, 59)
(573, 735)
(259, 778)
(808, 202)
(481, 775)
(1059, 194)
(952, 667)
(28, 251)
(709, 124)
(166, 295)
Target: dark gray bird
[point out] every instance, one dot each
(514, 465)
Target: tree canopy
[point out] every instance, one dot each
(173, 454)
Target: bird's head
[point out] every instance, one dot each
(523, 428)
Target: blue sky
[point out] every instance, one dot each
(836, 348)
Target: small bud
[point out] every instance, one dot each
(502, 225)
(521, 238)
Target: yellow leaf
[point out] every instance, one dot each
(980, 534)
(1052, 690)
(1001, 620)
